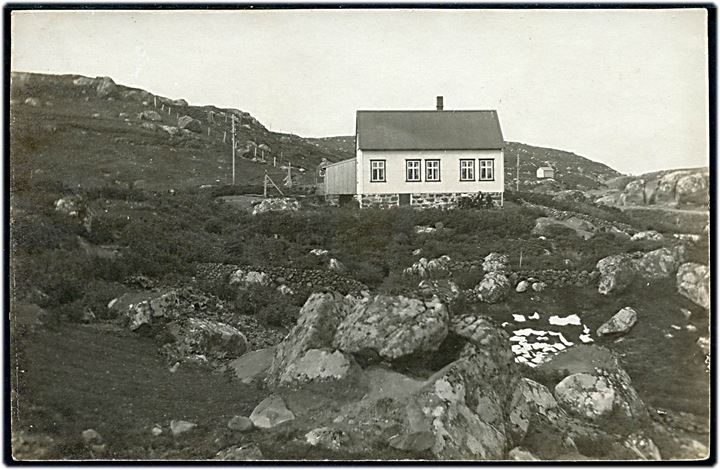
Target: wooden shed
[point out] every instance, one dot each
(340, 177)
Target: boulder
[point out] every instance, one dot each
(424, 268)
(148, 126)
(193, 125)
(617, 272)
(148, 309)
(317, 365)
(393, 326)
(271, 412)
(693, 282)
(317, 323)
(84, 81)
(481, 331)
(620, 323)
(276, 205)
(521, 454)
(195, 336)
(665, 190)
(522, 286)
(150, 115)
(692, 189)
(253, 365)
(179, 426)
(445, 289)
(327, 438)
(538, 286)
(594, 387)
(607, 200)
(529, 400)
(179, 102)
(91, 436)
(106, 87)
(495, 262)
(240, 423)
(337, 266)
(493, 288)
(652, 235)
(32, 102)
(641, 447)
(570, 195)
(240, 452)
(657, 264)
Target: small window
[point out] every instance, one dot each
(432, 170)
(467, 170)
(412, 170)
(377, 171)
(487, 170)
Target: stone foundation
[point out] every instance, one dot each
(421, 200)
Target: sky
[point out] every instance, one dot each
(628, 88)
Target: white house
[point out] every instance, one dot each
(545, 172)
(421, 158)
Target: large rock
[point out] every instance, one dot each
(253, 365)
(276, 205)
(149, 308)
(445, 289)
(693, 282)
(271, 412)
(617, 272)
(493, 288)
(317, 365)
(634, 193)
(692, 189)
(393, 327)
(657, 264)
(194, 336)
(84, 81)
(249, 277)
(318, 321)
(529, 400)
(495, 262)
(594, 387)
(620, 323)
(106, 87)
(652, 235)
(424, 267)
(193, 125)
(150, 115)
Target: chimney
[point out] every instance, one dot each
(439, 103)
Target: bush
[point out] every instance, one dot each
(478, 201)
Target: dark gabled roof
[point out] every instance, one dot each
(429, 130)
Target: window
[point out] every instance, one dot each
(432, 170)
(377, 171)
(467, 170)
(412, 170)
(487, 170)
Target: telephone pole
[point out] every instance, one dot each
(233, 150)
(517, 173)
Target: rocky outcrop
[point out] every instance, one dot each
(495, 262)
(193, 125)
(493, 288)
(425, 268)
(106, 87)
(276, 205)
(657, 264)
(150, 115)
(617, 272)
(620, 323)
(653, 235)
(246, 278)
(692, 189)
(445, 289)
(194, 336)
(393, 327)
(693, 282)
(270, 413)
(315, 330)
(634, 193)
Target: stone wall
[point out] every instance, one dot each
(420, 200)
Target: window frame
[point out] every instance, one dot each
(427, 179)
(466, 160)
(419, 170)
(480, 168)
(384, 171)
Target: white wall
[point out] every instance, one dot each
(449, 172)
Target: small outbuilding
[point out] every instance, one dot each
(545, 172)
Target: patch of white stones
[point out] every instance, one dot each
(533, 346)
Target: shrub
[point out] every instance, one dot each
(478, 201)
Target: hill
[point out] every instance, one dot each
(91, 132)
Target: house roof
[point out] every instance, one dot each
(429, 130)
(546, 168)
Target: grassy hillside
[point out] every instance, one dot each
(62, 128)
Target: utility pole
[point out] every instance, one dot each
(517, 173)
(233, 150)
